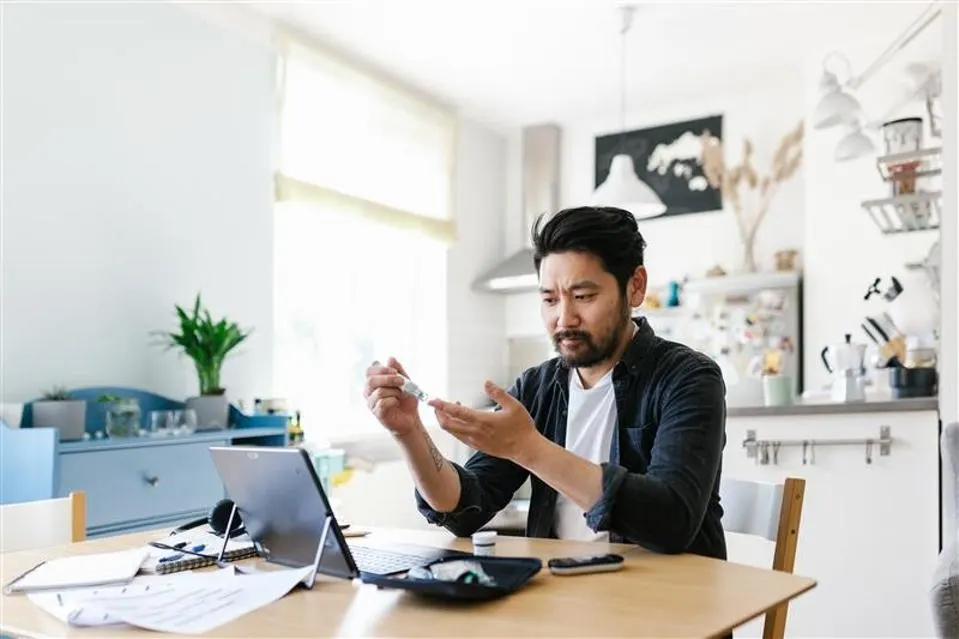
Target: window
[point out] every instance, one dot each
(361, 230)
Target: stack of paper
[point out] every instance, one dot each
(186, 603)
(81, 571)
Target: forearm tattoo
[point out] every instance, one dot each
(438, 460)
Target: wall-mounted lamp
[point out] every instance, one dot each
(838, 106)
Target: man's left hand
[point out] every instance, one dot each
(504, 433)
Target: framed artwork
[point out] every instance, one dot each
(668, 158)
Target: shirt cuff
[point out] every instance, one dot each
(468, 503)
(598, 517)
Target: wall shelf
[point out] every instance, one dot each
(922, 163)
(906, 213)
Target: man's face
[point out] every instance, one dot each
(583, 310)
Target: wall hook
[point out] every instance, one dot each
(812, 453)
(868, 451)
(805, 447)
(776, 453)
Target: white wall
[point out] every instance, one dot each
(136, 172)
(687, 244)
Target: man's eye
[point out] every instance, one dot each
(585, 297)
(549, 301)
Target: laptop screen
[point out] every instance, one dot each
(281, 501)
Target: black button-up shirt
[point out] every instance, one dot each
(661, 484)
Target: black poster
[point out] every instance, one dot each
(668, 158)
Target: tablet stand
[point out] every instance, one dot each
(227, 535)
(311, 578)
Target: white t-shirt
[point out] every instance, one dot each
(590, 424)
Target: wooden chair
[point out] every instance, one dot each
(45, 522)
(772, 512)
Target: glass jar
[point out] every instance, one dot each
(920, 354)
(123, 418)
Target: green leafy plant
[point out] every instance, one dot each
(206, 342)
(57, 394)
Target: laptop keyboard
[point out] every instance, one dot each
(377, 561)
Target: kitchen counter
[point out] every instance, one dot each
(825, 407)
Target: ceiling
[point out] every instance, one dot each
(513, 62)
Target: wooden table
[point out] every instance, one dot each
(653, 595)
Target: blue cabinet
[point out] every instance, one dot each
(131, 483)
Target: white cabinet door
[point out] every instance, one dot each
(869, 532)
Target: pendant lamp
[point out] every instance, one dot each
(622, 188)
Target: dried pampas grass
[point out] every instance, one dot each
(733, 180)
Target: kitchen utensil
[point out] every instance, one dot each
(847, 368)
(893, 353)
(880, 328)
(890, 294)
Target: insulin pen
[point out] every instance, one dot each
(410, 387)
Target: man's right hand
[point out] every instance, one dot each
(396, 410)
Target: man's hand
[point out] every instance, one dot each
(394, 409)
(506, 433)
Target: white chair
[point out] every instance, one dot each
(772, 512)
(45, 522)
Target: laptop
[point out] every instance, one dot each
(284, 509)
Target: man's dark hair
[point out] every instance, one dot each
(609, 233)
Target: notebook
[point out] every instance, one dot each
(82, 571)
(163, 561)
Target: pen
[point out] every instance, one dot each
(199, 547)
(164, 560)
(182, 544)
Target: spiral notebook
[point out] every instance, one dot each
(163, 561)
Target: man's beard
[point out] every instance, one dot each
(590, 351)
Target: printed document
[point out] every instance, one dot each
(184, 603)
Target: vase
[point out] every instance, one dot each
(212, 411)
(123, 418)
(69, 416)
(749, 256)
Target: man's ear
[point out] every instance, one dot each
(636, 288)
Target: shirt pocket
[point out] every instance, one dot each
(635, 445)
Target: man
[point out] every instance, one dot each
(622, 433)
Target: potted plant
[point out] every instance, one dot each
(207, 343)
(57, 410)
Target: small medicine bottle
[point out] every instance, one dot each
(484, 543)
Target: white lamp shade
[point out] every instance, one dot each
(624, 190)
(836, 107)
(853, 145)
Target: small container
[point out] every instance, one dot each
(484, 543)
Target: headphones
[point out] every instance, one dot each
(217, 519)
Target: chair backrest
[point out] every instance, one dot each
(28, 464)
(772, 512)
(41, 523)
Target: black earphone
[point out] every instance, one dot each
(217, 519)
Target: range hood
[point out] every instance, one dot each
(540, 166)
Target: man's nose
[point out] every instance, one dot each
(568, 316)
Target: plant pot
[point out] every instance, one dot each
(123, 418)
(69, 416)
(212, 411)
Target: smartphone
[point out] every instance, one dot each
(583, 565)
